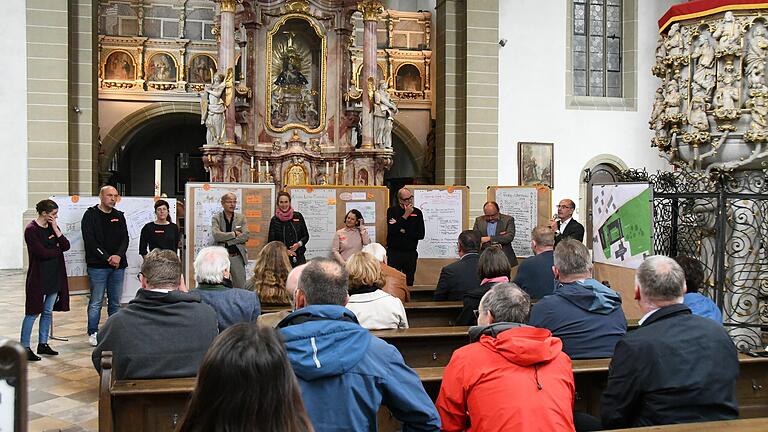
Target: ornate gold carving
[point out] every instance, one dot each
(295, 175)
(298, 6)
(228, 5)
(371, 91)
(118, 84)
(371, 9)
(161, 86)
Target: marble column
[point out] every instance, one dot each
(227, 59)
(371, 10)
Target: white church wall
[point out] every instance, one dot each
(13, 123)
(532, 96)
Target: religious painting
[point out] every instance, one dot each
(296, 67)
(362, 177)
(295, 175)
(535, 164)
(119, 67)
(408, 78)
(161, 67)
(201, 69)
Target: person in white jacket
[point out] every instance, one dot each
(374, 308)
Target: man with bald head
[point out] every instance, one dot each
(105, 236)
(405, 227)
(564, 225)
(677, 367)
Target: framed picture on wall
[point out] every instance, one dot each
(535, 164)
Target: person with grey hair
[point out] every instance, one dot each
(230, 230)
(585, 314)
(395, 284)
(232, 305)
(511, 376)
(534, 275)
(461, 275)
(677, 367)
(405, 227)
(164, 331)
(345, 373)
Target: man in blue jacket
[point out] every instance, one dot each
(585, 314)
(344, 372)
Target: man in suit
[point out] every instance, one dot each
(459, 277)
(496, 228)
(535, 274)
(230, 230)
(565, 226)
(677, 367)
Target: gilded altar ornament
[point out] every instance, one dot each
(371, 9)
(297, 6)
(228, 5)
(371, 91)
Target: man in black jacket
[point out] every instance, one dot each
(405, 227)
(564, 225)
(461, 276)
(105, 236)
(677, 367)
(164, 331)
(535, 274)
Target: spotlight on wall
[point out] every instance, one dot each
(502, 42)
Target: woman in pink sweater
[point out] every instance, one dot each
(350, 239)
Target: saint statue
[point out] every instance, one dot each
(727, 94)
(757, 53)
(674, 43)
(290, 75)
(384, 111)
(214, 101)
(672, 99)
(728, 34)
(697, 117)
(704, 73)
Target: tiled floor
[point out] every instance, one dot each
(63, 389)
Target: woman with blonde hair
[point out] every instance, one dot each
(374, 308)
(270, 273)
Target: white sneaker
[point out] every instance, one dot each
(92, 340)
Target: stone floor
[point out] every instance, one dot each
(63, 389)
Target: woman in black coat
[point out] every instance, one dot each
(288, 226)
(493, 267)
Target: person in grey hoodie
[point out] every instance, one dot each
(585, 314)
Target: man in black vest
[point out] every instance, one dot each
(677, 367)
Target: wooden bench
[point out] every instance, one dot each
(432, 314)
(422, 293)
(759, 424)
(426, 346)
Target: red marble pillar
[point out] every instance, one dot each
(371, 10)
(227, 60)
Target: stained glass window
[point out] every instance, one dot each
(596, 48)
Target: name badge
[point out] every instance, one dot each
(159, 232)
(50, 237)
(295, 220)
(412, 214)
(502, 233)
(115, 220)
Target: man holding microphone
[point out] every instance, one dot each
(563, 223)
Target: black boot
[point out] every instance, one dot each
(31, 356)
(45, 349)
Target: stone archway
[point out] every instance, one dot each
(602, 169)
(412, 146)
(123, 129)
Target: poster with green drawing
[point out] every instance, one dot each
(622, 223)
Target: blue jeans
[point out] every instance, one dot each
(101, 280)
(45, 322)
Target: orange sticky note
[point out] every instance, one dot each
(206, 187)
(369, 195)
(253, 242)
(75, 198)
(331, 201)
(253, 213)
(254, 228)
(253, 199)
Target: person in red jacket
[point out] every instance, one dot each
(513, 377)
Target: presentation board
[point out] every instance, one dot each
(529, 205)
(324, 209)
(203, 200)
(138, 212)
(622, 223)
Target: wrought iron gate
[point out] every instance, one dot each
(722, 219)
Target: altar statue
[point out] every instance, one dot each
(383, 117)
(697, 116)
(290, 75)
(727, 94)
(214, 101)
(728, 34)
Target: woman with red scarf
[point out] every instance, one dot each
(288, 226)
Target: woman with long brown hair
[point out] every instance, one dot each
(246, 384)
(270, 273)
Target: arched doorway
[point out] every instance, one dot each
(407, 160)
(599, 170)
(175, 139)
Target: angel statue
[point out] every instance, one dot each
(214, 101)
(384, 110)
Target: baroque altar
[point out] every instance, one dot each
(294, 115)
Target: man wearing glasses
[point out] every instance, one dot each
(405, 227)
(563, 223)
(496, 228)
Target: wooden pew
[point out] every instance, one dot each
(759, 424)
(426, 346)
(432, 314)
(422, 293)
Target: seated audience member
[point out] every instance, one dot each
(246, 384)
(677, 367)
(585, 314)
(461, 276)
(291, 285)
(269, 275)
(164, 331)
(346, 373)
(395, 280)
(232, 305)
(375, 309)
(493, 267)
(512, 377)
(534, 275)
(694, 279)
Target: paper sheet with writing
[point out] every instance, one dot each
(319, 210)
(521, 204)
(138, 212)
(442, 222)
